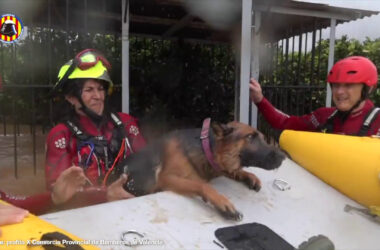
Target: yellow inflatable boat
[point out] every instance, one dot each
(350, 164)
(28, 235)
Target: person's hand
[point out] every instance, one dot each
(115, 191)
(68, 184)
(10, 214)
(255, 91)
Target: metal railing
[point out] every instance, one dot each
(292, 100)
(24, 112)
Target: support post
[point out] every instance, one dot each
(245, 59)
(125, 57)
(331, 59)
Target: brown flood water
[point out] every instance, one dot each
(27, 182)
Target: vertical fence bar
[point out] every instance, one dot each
(319, 55)
(67, 30)
(15, 139)
(281, 54)
(14, 60)
(125, 93)
(49, 43)
(34, 132)
(298, 78)
(2, 51)
(275, 61)
(286, 61)
(2, 60)
(292, 63)
(30, 64)
(305, 61)
(331, 59)
(270, 64)
(85, 15)
(50, 52)
(312, 64)
(297, 102)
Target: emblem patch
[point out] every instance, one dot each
(60, 143)
(10, 28)
(133, 130)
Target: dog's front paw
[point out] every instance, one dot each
(253, 182)
(232, 215)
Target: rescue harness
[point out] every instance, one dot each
(328, 127)
(105, 154)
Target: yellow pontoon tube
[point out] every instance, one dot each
(27, 235)
(350, 164)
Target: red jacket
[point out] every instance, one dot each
(43, 203)
(312, 121)
(36, 204)
(62, 149)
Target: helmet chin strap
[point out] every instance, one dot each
(344, 114)
(97, 119)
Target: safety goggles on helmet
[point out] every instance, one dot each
(89, 58)
(88, 63)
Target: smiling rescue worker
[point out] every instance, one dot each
(89, 135)
(352, 79)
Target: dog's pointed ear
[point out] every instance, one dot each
(221, 130)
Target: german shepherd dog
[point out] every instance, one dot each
(178, 162)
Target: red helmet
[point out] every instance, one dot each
(354, 69)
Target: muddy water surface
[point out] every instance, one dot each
(28, 182)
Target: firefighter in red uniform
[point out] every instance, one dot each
(89, 135)
(352, 80)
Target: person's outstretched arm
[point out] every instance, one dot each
(279, 120)
(67, 185)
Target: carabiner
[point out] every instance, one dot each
(281, 184)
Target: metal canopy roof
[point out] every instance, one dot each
(171, 18)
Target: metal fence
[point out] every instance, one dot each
(186, 81)
(292, 100)
(24, 114)
(31, 118)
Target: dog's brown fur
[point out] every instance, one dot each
(183, 167)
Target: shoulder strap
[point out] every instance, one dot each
(121, 127)
(328, 126)
(371, 116)
(119, 124)
(76, 131)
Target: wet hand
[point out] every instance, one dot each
(68, 184)
(255, 91)
(115, 191)
(10, 214)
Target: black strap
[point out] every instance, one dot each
(328, 126)
(62, 239)
(83, 136)
(77, 132)
(100, 143)
(119, 124)
(121, 127)
(371, 116)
